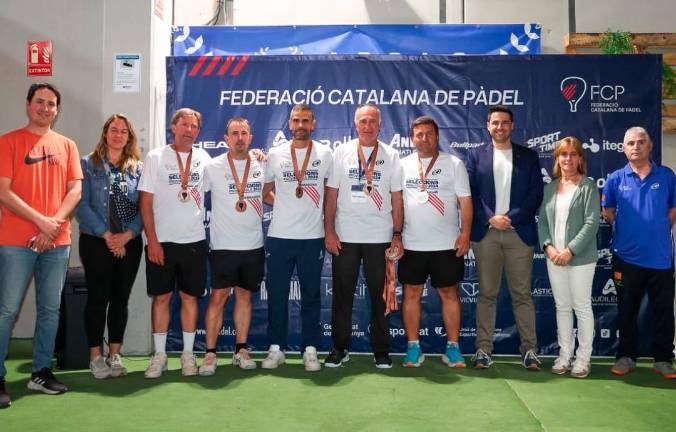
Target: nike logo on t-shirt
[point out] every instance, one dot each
(31, 160)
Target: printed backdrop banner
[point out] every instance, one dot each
(595, 98)
(402, 39)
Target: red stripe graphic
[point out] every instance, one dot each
(198, 65)
(225, 66)
(240, 65)
(436, 202)
(212, 65)
(197, 196)
(377, 198)
(312, 192)
(256, 204)
(569, 91)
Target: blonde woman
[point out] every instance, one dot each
(110, 240)
(567, 227)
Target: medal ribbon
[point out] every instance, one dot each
(422, 175)
(300, 175)
(241, 186)
(184, 172)
(368, 167)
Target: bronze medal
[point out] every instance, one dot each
(368, 188)
(184, 173)
(240, 205)
(368, 167)
(300, 174)
(423, 196)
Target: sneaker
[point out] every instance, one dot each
(665, 368)
(45, 381)
(382, 360)
(452, 357)
(158, 364)
(274, 359)
(188, 364)
(623, 366)
(117, 368)
(99, 368)
(209, 364)
(580, 369)
(414, 356)
(482, 360)
(336, 358)
(531, 361)
(310, 359)
(5, 401)
(561, 366)
(243, 360)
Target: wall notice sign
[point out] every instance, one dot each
(127, 73)
(39, 58)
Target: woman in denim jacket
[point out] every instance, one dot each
(110, 240)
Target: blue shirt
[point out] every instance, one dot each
(642, 229)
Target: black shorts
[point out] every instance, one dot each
(185, 268)
(444, 268)
(242, 268)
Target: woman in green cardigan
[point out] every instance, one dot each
(567, 227)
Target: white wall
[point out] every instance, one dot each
(85, 36)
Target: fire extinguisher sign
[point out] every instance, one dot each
(39, 58)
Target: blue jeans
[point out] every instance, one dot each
(17, 265)
(307, 257)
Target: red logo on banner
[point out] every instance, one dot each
(39, 58)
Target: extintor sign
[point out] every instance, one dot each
(39, 58)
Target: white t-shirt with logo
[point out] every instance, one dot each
(228, 228)
(292, 217)
(433, 225)
(502, 176)
(361, 218)
(175, 221)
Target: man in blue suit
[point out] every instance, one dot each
(506, 193)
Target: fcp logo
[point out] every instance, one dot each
(573, 89)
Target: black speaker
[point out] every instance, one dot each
(71, 349)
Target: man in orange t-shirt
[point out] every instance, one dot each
(40, 184)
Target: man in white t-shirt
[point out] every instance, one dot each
(172, 208)
(435, 184)
(297, 171)
(363, 218)
(507, 189)
(235, 180)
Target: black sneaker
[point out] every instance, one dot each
(382, 360)
(5, 401)
(45, 381)
(482, 360)
(336, 357)
(530, 361)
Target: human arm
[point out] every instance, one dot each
(331, 240)
(521, 213)
(268, 194)
(155, 251)
(466, 210)
(49, 226)
(397, 222)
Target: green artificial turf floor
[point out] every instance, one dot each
(355, 397)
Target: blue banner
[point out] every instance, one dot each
(421, 39)
(595, 98)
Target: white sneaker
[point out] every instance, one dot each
(274, 359)
(242, 359)
(209, 364)
(158, 364)
(99, 368)
(188, 364)
(117, 368)
(310, 359)
(561, 365)
(580, 369)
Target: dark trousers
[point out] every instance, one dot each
(307, 257)
(345, 274)
(109, 281)
(632, 282)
